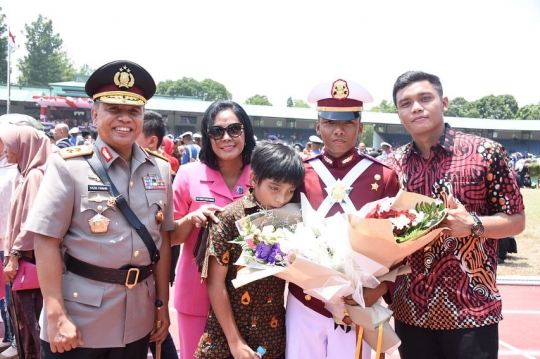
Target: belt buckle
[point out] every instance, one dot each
(134, 283)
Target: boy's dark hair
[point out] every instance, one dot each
(277, 161)
(410, 77)
(153, 125)
(207, 155)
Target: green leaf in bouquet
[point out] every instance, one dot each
(434, 213)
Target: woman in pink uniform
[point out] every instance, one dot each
(200, 189)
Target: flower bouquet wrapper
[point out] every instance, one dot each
(374, 238)
(302, 272)
(289, 213)
(390, 340)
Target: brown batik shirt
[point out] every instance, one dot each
(258, 307)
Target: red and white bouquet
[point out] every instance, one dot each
(390, 229)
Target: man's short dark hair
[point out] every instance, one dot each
(153, 125)
(411, 77)
(277, 161)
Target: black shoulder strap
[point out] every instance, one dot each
(131, 217)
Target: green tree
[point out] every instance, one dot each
(367, 135)
(46, 62)
(290, 102)
(211, 90)
(85, 70)
(384, 107)
(208, 89)
(261, 100)
(459, 107)
(529, 112)
(3, 48)
(300, 103)
(497, 107)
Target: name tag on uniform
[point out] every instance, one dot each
(153, 181)
(95, 187)
(205, 199)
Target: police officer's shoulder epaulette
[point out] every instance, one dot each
(155, 153)
(75, 151)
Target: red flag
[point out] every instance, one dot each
(11, 40)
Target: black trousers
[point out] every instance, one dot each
(422, 343)
(135, 350)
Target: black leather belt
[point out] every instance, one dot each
(127, 275)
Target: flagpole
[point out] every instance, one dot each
(8, 73)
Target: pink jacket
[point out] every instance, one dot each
(197, 185)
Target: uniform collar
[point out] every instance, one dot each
(109, 155)
(344, 161)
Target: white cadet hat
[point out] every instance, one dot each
(188, 133)
(339, 99)
(315, 139)
(386, 144)
(197, 135)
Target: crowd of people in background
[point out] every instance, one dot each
(67, 217)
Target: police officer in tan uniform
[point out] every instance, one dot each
(100, 279)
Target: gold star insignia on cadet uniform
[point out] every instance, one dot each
(374, 186)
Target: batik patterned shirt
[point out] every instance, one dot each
(453, 284)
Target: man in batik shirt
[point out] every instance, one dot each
(449, 306)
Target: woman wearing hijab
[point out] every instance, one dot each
(29, 149)
(220, 177)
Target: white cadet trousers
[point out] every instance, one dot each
(312, 335)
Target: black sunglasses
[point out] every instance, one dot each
(233, 130)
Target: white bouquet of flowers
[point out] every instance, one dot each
(314, 253)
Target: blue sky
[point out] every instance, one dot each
(284, 48)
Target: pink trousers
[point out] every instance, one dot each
(190, 330)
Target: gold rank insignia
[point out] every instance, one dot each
(99, 224)
(338, 192)
(374, 186)
(75, 151)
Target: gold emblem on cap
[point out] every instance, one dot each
(124, 78)
(340, 90)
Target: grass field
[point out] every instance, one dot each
(526, 262)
